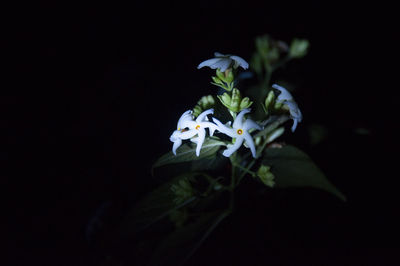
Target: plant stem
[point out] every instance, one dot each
(233, 181)
(245, 170)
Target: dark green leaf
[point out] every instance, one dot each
(187, 153)
(292, 167)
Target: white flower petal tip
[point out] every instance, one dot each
(284, 95)
(223, 62)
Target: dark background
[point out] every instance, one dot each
(94, 91)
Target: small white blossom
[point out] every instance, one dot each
(239, 131)
(286, 98)
(223, 62)
(187, 128)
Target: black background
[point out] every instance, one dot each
(93, 92)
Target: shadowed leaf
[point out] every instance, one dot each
(293, 168)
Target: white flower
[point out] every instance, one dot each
(223, 62)
(187, 128)
(286, 98)
(239, 131)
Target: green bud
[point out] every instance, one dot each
(298, 48)
(197, 110)
(278, 106)
(206, 102)
(217, 80)
(220, 74)
(225, 99)
(266, 176)
(245, 103)
(269, 99)
(235, 101)
(229, 75)
(257, 140)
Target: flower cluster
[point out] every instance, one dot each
(188, 128)
(193, 124)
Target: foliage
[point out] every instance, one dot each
(213, 163)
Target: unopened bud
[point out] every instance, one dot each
(269, 99)
(235, 101)
(298, 48)
(245, 103)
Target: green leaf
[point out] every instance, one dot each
(293, 168)
(155, 206)
(187, 153)
(181, 244)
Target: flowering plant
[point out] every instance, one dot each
(223, 139)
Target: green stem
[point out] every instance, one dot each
(245, 170)
(233, 181)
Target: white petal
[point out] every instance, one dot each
(176, 145)
(175, 135)
(228, 152)
(204, 114)
(238, 123)
(188, 134)
(284, 95)
(249, 124)
(294, 126)
(216, 54)
(188, 123)
(186, 116)
(250, 143)
(294, 110)
(224, 129)
(209, 63)
(240, 61)
(200, 141)
(223, 64)
(212, 127)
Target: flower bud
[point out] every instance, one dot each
(217, 80)
(298, 48)
(245, 103)
(266, 176)
(206, 102)
(235, 101)
(269, 100)
(229, 75)
(257, 140)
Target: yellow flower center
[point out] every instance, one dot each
(239, 131)
(198, 126)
